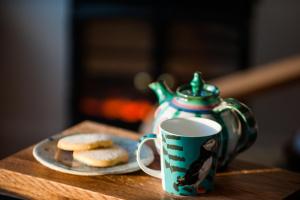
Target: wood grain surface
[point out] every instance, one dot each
(22, 175)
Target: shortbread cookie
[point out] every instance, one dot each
(84, 141)
(102, 157)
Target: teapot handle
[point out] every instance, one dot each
(249, 127)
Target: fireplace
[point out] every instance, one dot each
(118, 48)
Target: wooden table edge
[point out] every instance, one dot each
(19, 181)
(25, 182)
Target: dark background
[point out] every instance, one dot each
(36, 66)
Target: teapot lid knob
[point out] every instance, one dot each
(197, 84)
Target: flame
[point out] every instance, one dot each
(116, 108)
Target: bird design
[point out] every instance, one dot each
(199, 169)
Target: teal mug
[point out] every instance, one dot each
(188, 155)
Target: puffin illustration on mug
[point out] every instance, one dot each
(200, 168)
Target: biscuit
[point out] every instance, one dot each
(84, 141)
(102, 157)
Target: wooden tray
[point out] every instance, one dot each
(22, 175)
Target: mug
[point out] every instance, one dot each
(188, 155)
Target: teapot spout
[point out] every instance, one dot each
(162, 91)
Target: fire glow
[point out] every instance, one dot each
(116, 108)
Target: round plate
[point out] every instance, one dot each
(47, 153)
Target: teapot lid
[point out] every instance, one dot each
(197, 88)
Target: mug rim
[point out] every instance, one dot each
(207, 122)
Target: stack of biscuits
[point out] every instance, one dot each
(94, 149)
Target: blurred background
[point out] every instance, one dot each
(65, 61)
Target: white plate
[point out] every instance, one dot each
(47, 153)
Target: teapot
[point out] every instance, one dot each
(239, 129)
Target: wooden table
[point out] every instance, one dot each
(22, 175)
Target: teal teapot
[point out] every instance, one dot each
(239, 130)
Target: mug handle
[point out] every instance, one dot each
(249, 127)
(151, 172)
